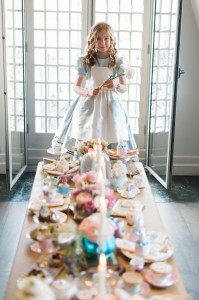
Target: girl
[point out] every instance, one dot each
(98, 112)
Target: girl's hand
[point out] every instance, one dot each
(110, 84)
(93, 93)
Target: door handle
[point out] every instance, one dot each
(180, 72)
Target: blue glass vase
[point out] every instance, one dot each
(93, 250)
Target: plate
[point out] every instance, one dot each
(112, 153)
(60, 218)
(35, 247)
(129, 190)
(34, 207)
(165, 297)
(145, 289)
(121, 207)
(58, 202)
(158, 252)
(52, 151)
(56, 230)
(71, 171)
(164, 284)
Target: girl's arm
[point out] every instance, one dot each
(78, 89)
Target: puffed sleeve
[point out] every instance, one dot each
(81, 67)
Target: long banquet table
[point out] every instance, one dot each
(24, 257)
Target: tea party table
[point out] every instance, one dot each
(24, 257)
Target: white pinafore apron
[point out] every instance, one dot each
(100, 116)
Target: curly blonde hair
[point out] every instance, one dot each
(90, 57)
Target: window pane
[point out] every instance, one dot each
(39, 39)
(51, 73)
(40, 108)
(63, 5)
(51, 38)
(51, 56)
(51, 91)
(64, 39)
(101, 5)
(51, 5)
(125, 6)
(38, 4)
(63, 56)
(39, 20)
(40, 74)
(76, 5)
(75, 39)
(51, 108)
(39, 58)
(51, 20)
(125, 22)
(113, 5)
(76, 21)
(39, 91)
(63, 20)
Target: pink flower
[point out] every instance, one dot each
(90, 227)
(83, 198)
(92, 176)
(90, 206)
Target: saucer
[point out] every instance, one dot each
(60, 218)
(53, 152)
(145, 289)
(35, 247)
(129, 190)
(165, 283)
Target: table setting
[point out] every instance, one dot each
(88, 234)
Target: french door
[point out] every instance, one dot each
(14, 88)
(56, 35)
(163, 89)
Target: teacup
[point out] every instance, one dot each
(137, 263)
(45, 242)
(132, 282)
(57, 149)
(161, 272)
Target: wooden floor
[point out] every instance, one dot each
(180, 220)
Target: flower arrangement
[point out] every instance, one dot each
(86, 146)
(86, 198)
(90, 227)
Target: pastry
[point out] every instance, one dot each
(34, 288)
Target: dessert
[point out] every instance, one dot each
(34, 288)
(122, 148)
(56, 260)
(36, 272)
(62, 165)
(46, 215)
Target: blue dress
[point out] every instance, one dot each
(102, 116)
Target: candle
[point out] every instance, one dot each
(102, 275)
(102, 227)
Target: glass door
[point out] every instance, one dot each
(56, 36)
(14, 91)
(163, 89)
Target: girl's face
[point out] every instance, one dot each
(103, 43)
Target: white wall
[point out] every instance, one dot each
(2, 108)
(186, 150)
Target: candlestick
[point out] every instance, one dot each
(102, 275)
